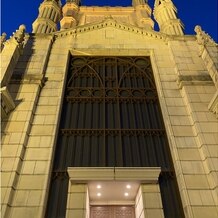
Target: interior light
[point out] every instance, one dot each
(128, 186)
(99, 194)
(98, 186)
(126, 194)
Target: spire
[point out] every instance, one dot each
(49, 16)
(165, 13)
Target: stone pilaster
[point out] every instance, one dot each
(148, 201)
(78, 201)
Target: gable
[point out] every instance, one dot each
(113, 34)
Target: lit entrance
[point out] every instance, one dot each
(112, 199)
(113, 192)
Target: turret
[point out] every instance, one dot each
(143, 14)
(165, 13)
(49, 16)
(70, 12)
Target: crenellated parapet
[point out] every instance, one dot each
(165, 13)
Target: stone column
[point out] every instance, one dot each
(148, 202)
(78, 201)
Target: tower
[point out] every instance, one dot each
(107, 117)
(70, 12)
(49, 16)
(143, 14)
(165, 15)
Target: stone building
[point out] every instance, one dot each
(107, 117)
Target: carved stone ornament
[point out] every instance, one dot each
(203, 38)
(19, 35)
(3, 37)
(2, 40)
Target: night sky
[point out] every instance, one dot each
(191, 12)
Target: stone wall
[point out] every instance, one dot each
(37, 86)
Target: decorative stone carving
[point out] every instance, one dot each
(203, 38)
(19, 35)
(7, 103)
(2, 40)
(213, 105)
(208, 52)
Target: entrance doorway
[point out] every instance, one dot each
(112, 212)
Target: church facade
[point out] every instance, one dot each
(108, 118)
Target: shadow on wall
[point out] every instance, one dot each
(18, 75)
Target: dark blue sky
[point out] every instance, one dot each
(191, 12)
